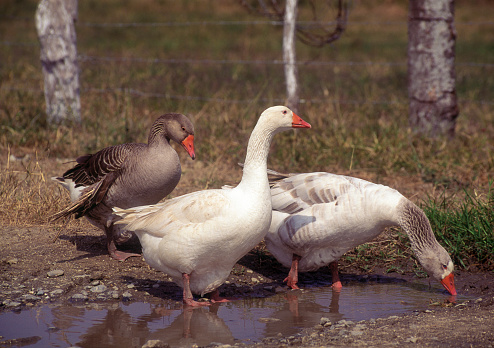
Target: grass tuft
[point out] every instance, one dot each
(465, 227)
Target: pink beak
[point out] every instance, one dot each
(188, 145)
(297, 122)
(449, 283)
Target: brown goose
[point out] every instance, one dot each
(126, 176)
(317, 217)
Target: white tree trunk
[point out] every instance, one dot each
(289, 60)
(433, 107)
(56, 32)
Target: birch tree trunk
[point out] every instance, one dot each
(56, 32)
(433, 107)
(289, 60)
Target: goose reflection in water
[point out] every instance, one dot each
(302, 311)
(118, 328)
(195, 326)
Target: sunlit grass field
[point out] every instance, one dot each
(222, 76)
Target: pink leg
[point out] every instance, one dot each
(335, 276)
(188, 299)
(292, 278)
(117, 254)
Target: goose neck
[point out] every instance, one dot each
(157, 137)
(416, 225)
(255, 165)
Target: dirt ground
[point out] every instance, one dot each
(29, 253)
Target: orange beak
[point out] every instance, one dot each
(297, 122)
(449, 284)
(188, 145)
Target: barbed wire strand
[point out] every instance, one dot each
(239, 22)
(97, 59)
(138, 93)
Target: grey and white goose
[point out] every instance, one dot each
(126, 176)
(317, 217)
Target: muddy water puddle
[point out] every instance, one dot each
(246, 320)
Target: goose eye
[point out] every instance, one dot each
(285, 112)
(183, 128)
(445, 267)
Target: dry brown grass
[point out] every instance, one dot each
(370, 141)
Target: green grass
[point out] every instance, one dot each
(465, 226)
(353, 133)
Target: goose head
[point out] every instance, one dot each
(176, 127)
(437, 262)
(280, 118)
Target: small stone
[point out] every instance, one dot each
(10, 303)
(127, 294)
(29, 297)
(114, 295)
(344, 323)
(393, 317)
(96, 276)
(56, 292)
(155, 344)
(255, 280)
(98, 288)
(250, 271)
(55, 273)
(131, 286)
(79, 279)
(356, 333)
(102, 297)
(12, 261)
(41, 292)
(79, 297)
(343, 332)
(478, 300)
(411, 340)
(325, 321)
(268, 320)
(95, 282)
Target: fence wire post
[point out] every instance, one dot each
(56, 32)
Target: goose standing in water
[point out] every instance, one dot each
(196, 239)
(126, 176)
(317, 217)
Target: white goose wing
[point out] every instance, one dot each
(187, 211)
(301, 191)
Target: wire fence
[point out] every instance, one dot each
(92, 59)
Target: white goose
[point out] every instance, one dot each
(127, 175)
(197, 238)
(317, 217)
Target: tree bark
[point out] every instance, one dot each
(289, 60)
(433, 107)
(56, 32)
